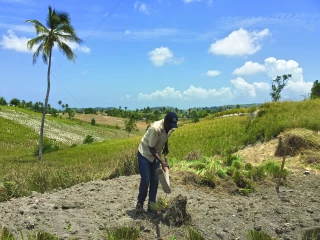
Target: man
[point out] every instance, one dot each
(149, 152)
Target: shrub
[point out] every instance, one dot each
(88, 139)
(93, 122)
(47, 147)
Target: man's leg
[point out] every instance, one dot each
(144, 169)
(153, 182)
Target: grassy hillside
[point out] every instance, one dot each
(95, 161)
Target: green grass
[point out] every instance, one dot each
(100, 160)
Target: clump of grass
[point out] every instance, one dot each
(221, 173)
(193, 234)
(311, 234)
(8, 190)
(127, 165)
(123, 233)
(5, 234)
(257, 235)
(160, 205)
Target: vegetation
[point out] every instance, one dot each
(277, 86)
(315, 90)
(112, 158)
(257, 235)
(57, 32)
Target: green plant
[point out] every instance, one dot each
(277, 85)
(8, 190)
(160, 205)
(221, 173)
(47, 147)
(311, 234)
(88, 139)
(257, 235)
(5, 234)
(93, 122)
(193, 234)
(123, 233)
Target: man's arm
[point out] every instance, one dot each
(156, 155)
(165, 150)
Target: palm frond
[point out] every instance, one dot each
(40, 28)
(37, 52)
(36, 40)
(69, 37)
(67, 51)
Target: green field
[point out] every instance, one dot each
(79, 163)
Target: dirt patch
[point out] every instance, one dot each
(83, 211)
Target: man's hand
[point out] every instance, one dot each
(164, 165)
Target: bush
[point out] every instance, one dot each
(93, 122)
(47, 147)
(88, 139)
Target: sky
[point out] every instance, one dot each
(178, 53)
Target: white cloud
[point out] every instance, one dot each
(160, 56)
(299, 20)
(213, 73)
(84, 72)
(166, 94)
(240, 42)
(142, 7)
(127, 32)
(296, 85)
(276, 68)
(249, 68)
(21, 28)
(76, 46)
(244, 89)
(192, 93)
(13, 42)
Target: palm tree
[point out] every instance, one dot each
(60, 102)
(57, 32)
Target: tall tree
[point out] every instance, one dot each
(315, 90)
(277, 85)
(58, 31)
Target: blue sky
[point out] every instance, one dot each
(179, 53)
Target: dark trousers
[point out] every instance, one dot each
(149, 179)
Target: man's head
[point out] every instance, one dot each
(170, 121)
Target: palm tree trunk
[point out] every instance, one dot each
(45, 108)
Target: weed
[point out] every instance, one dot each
(123, 233)
(193, 234)
(257, 235)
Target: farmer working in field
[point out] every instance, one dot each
(149, 157)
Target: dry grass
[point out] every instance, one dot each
(108, 120)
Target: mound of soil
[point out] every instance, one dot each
(85, 210)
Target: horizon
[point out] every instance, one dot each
(163, 52)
